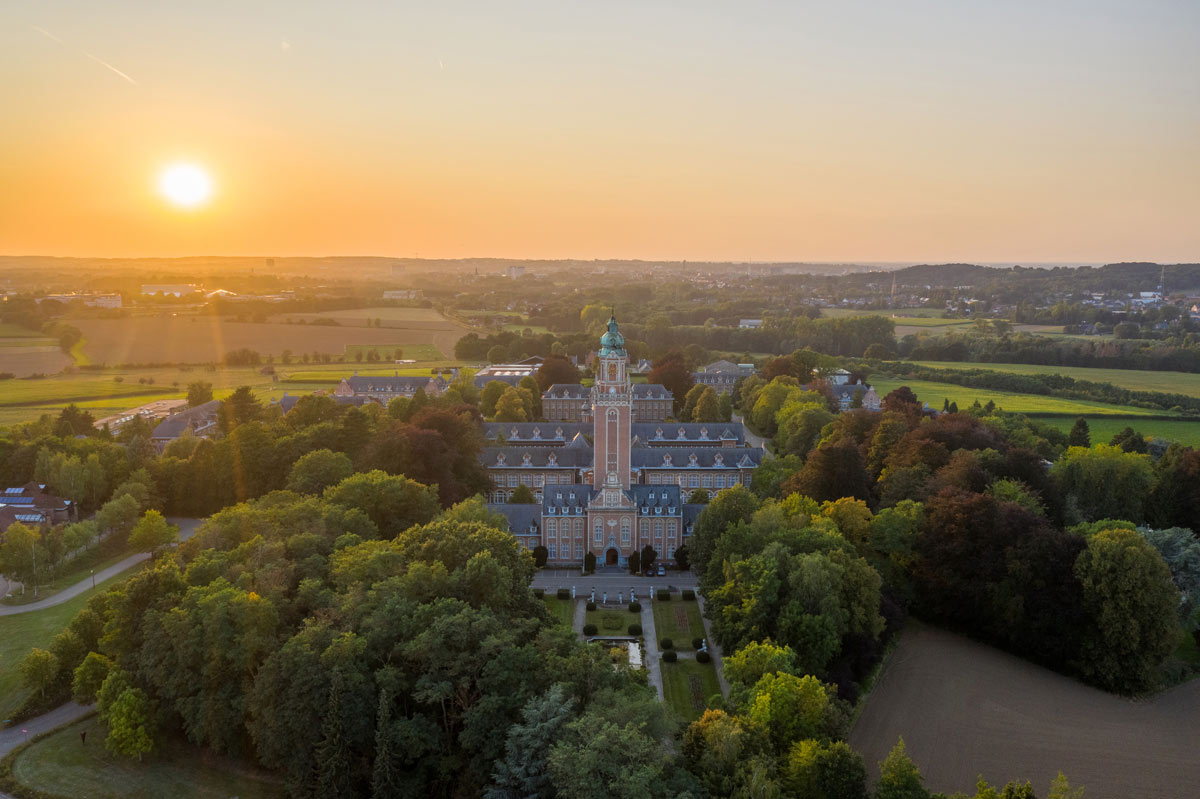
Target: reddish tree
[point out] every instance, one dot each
(556, 369)
(672, 372)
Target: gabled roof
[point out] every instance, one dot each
(567, 391)
(695, 457)
(393, 384)
(651, 391)
(521, 457)
(534, 432)
(712, 432)
(522, 519)
(174, 425)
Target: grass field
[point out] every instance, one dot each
(1169, 382)
(387, 316)
(688, 685)
(416, 352)
(561, 609)
(934, 393)
(612, 622)
(966, 709)
(1102, 430)
(62, 764)
(207, 339)
(22, 632)
(679, 621)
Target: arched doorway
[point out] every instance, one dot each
(610, 557)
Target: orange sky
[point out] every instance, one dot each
(1020, 131)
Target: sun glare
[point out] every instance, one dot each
(185, 185)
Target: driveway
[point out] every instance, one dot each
(610, 581)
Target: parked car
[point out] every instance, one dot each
(661, 570)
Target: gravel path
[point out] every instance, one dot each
(653, 658)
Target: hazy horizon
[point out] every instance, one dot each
(1023, 132)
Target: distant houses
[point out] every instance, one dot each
(200, 421)
(32, 506)
(722, 375)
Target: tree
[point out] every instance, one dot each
(635, 562)
(672, 372)
(393, 502)
(75, 422)
(497, 354)
(683, 558)
(901, 399)
(1080, 435)
(899, 777)
(511, 406)
(1130, 441)
(791, 708)
(490, 396)
(152, 532)
(38, 670)
(556, 369)
(18, 553)
(732, 505)
(648, 556)
(831, 472)
(119, 515)
(1060, 788)
(690, 400)
(540, 556)
(199, 392)
(238, 408)
(522, 772)
(88, 676)
(129, 726)
(1131, 601)
(317, 470)
(334, 778)
(589, 562)
(594, 318)
(534, 393)
(708, 407)
(814, 771)
(1103, 482)
(757, 659)
(698, 497)
(522, 495)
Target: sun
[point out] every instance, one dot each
(185, 185)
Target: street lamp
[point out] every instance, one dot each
(93, 572)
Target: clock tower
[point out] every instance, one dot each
(612, 412)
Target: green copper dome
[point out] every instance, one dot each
(612, 342)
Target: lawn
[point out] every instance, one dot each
(680, 621)
(22, 632)
(563, 610)
(934, 393)
(688, 685)
(1135, 379)
(62, 764)
(72, 575)
(1103, 429)
(613, 622)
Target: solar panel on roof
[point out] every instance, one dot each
(29, 517)
(14, 491)
(10, 500)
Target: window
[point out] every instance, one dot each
(654, 478)
(551, 527)
(579, 528)
(694, 482)
(579, 550)
(539, 481)
(671, 528)
(658, 527)
(706, 481)
(553, 551)
(734, 479)
(525, 479)
(625, 531)
(644, 529)
(512, 481)
(670, 553)
(719, 481)
(598, 533)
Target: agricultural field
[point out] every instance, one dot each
(1135, 379)
(63, 764)
(199, 339)
(965, 709)
(416, 325)
(679, 621)
(1186, 432)
(934, 393)
(25, 352)
(688, 685)
(415, 352)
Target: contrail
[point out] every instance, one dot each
(99, 61)
(104, 63)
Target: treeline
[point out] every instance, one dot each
(1179, 355)
(1052, 385)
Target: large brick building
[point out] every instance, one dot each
(625, 487)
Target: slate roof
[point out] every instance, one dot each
(572, 456)
(712, 432)
(522, 519)
(535, 432)
(651, 391)
(174, 425)
(705, 457)
(574, 502)
(663, 500)
(567, 390)
(397, 384)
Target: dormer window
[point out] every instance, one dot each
(537, 433)
(512, 433)
(704, 432)
(692, 459)
(558, 432)
(525, 459)
(500, 459)
(664, 496)
(667, 459)
(682, 434)
(553, 459)
(718, 459)
(558, 497)
(658, 433)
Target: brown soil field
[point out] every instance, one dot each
(443, 332)
(23, 361)
(966, 709)
(205, 339)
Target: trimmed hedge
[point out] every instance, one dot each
(635, 607)
(635, 629)
(564, 593)
(591, 606)
(688, 594)
(663, 596)
(670, 656)
(540, 593)
(667, 643)
(697, 643)
(590, 629)
(703, 657)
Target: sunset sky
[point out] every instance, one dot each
(925, 130)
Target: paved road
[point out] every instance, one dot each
(610, 581)
(751, 438)
(187, 528)
(13, 737)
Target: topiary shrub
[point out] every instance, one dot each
(697, 643)
(663, 596)
(635, 629)
(540, 593)
(670, 656)
(703, 657)
(564, 593)
(590, 629)
(591, 606)
(667, 643)
(635, 607)
(688, 595)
